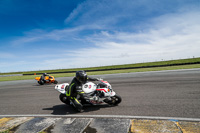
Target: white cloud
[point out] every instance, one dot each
(169, 35)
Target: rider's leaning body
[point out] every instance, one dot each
(75, 88)
(43, 77)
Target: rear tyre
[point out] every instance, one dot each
(63, 98)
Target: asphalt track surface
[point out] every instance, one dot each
(155, 94)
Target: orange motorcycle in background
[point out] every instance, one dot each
(49, 79)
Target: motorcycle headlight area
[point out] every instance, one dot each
(109, 88)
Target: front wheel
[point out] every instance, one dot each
(55, 82)
(41, 82)
(115, 100)
(64, 99)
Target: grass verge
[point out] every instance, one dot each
(159, 63)
(104, 72)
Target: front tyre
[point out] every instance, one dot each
(63, 98)
(41, 82)
(55, 82)
(115, 100)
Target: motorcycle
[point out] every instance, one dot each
(49, 79)
(101, 93)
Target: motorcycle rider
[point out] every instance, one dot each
(43, 77)
(75, 88)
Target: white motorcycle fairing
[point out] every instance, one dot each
(96, 94)
(62, 87)
(108, 91)
(89, 87)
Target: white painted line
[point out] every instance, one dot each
(108, 116)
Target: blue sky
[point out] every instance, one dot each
(60, 34)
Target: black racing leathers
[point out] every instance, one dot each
(75, 88)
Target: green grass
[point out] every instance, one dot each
(104, 72)
(191, 60)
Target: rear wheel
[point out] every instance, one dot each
(64, 99)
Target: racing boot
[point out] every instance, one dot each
(78, 106)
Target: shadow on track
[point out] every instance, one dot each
(43, 84)
(63, 109)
